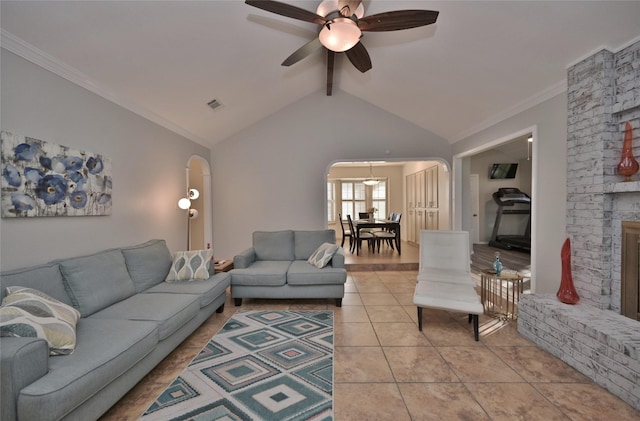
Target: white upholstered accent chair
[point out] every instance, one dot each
(444, 276)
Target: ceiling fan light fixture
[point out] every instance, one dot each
(341, 34)
(329, 6)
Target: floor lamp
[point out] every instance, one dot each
(185, 203)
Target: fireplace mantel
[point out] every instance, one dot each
(622, 187)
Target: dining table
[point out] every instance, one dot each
(383, 224)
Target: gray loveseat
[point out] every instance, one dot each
(276, 267)
(130, 320)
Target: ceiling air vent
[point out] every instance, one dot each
(214, 103)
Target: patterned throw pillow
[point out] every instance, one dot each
(323, 254)
(190, 265)
(27, 312)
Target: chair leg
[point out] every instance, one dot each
(475, 327)
(470, 317)
(342, 244)
(420, 319)
(238, 301)
(338, 302)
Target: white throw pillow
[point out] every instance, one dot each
(27, 312)
(190, 265)
(323, 254)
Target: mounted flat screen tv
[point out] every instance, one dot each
(501, 171)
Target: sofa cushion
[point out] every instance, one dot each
(263, 273)
(323, 254)
(168, 311)
(97, 281)
(275, 245)
(27, 312)
(306, 242)
(302, 273)
(46, 278)
(190, 265)
(207, 290)
(106, 350)
(148, 263)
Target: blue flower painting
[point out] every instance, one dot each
(45, 179)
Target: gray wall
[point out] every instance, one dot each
(549, 182)
(149, 165)
(272, 175)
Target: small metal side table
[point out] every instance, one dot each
(493, 289)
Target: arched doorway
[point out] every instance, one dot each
(199, 178)
(402, 180)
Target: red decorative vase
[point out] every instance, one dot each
(567, 292)
(628, 164)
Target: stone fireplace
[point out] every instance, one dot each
(603, 93)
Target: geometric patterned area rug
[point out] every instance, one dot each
(262, 365)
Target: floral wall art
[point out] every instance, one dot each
(45, 179)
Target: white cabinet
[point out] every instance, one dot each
(411, 206)
(422, 202)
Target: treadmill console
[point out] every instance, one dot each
(509, 196)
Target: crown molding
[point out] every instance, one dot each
(21, 48)
(601, 48)
(530, 102)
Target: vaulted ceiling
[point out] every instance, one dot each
(481, 62)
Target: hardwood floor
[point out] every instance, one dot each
(484, 255)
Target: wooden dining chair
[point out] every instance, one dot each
(345, 233)
(388, 236)
(361, 235)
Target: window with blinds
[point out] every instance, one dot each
(379, 199)
(352, 197)
(331, 201)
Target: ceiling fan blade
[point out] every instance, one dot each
(287, 10)
(397, 20)
(303, 52)
(348, 7)
(330, 61)
(359, 57)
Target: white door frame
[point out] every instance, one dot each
(474, 190)
(457, 183)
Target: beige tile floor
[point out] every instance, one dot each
(385, 369)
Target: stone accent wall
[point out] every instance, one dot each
(592, 336)
(603, 94)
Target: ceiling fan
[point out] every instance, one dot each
(343, 22)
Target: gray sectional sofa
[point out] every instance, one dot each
(130, 320)
(276, 267)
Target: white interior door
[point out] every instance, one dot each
(474, 188)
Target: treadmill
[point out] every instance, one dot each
(512, 201)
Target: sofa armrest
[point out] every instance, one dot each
(337, 261)
(244, 259)
(22, 361)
